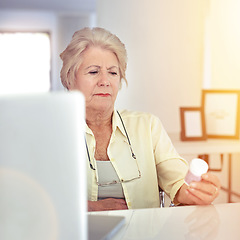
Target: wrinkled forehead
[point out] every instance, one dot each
(98, 57)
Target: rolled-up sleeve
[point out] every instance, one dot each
(171, 168)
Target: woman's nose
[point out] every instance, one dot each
(104, 79)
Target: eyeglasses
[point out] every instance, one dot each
(133, 156)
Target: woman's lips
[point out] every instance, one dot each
(103, 94)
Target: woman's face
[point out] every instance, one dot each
(98, 78)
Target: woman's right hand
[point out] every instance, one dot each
(107, 204)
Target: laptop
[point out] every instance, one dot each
(43, 189)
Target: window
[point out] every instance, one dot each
(25, 62)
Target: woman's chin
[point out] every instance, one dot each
(101, 106)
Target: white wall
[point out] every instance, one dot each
(51, 5)
(224, 39)
(164, 40)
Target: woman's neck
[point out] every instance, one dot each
(98, 118)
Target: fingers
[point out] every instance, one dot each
(205, 191)
(200, 197)
(211, 178)
(214, 183)
(121, 203)
(204, 187)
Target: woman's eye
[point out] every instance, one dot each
(93, 72)
(114, 73)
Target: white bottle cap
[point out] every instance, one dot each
(198, 167)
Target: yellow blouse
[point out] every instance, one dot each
(157, 161)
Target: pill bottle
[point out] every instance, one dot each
(196, 169)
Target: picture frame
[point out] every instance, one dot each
(221, 110)
(192, 124)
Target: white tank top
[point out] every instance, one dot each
(107, 174)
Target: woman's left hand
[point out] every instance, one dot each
(200, 193)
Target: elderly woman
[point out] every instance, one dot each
(130, 154)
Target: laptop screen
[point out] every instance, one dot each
(42, 167)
